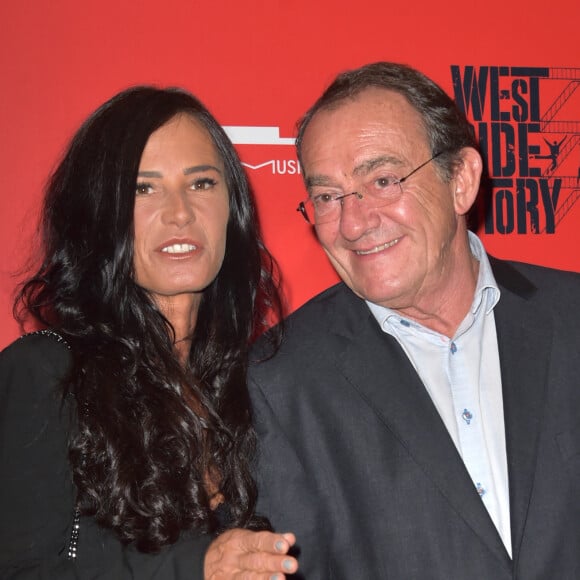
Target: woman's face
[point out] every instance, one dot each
(181, 212)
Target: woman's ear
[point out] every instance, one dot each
(466, 180)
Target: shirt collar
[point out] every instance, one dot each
(486, 285)
(485, 289)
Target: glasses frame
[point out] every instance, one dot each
(302, 205)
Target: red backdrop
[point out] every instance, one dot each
(514, 66)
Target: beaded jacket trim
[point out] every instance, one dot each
(72, 549)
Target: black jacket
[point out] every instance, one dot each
(36, 491)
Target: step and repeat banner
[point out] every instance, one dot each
(514, 68)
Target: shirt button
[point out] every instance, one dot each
(467, 416)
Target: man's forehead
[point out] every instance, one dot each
(376, 95)
(375, 111)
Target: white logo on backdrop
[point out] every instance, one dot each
(257, 136)
(264, 136)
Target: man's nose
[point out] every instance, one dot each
(355, 216)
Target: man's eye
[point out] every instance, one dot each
(384, 182)
(323, 198)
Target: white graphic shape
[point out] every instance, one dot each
(244, 135)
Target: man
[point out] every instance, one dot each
(422, 418)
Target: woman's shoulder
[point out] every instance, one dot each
(34, 346)
(41, 357)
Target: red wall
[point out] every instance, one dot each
(261, 63)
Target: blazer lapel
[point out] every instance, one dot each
(379, 370)
(525, 334)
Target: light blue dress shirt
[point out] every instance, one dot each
(462, 375)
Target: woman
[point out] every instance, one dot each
(125, 429)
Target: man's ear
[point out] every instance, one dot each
(466, 180)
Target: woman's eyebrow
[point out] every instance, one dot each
(200, 168)
(186, 171)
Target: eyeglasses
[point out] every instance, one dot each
(380, 191)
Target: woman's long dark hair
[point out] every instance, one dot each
(150, 432)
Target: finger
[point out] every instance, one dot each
(267, 542)
(290, 538)
(259, 576)
(265, 562)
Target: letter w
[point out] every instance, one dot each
(471, 90)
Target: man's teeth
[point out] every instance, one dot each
(179, 248)
(377, 248)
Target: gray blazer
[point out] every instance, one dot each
(356, 461)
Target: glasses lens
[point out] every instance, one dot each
(327, 212)
(382, 192)
(325, 209)
(376, 193)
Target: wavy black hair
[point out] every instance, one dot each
(150, 431)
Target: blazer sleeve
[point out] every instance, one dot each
(36, 490)
(285, 492)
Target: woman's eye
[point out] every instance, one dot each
(143, 188)
(204, 183)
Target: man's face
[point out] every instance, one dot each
(396, 255)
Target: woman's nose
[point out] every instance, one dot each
(178, 208)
